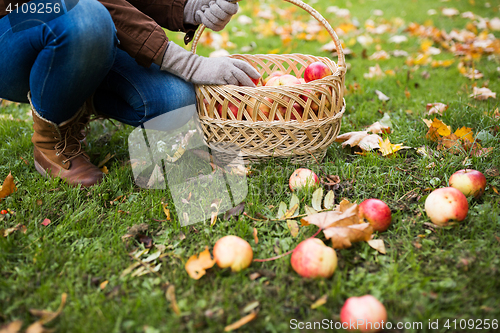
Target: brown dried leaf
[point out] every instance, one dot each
(48, 316)
(362, 139)
(198, 263)
(37, 327)
(343, 237)
(377, 244)
(236, 211)
(170, 295)
(482, 93)
(105, 160)
(8, 186)
(333, 218)
(8, 231)
(436, 108)
(451, 143)
(13, 327)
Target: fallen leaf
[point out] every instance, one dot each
(317, 197)
(465, 133)
(8, 186)
(381, 96)
(329, 200)
(310, 210)
(319, 302)
(289, 213)
(482, 94)
(248, 318)
(333, 218)
(104, 170)
(436, 108)
(13, 327)
(374, 71)
(387, 148)
(198, 263)
(250, 307)
(451, 143)
(48, 316)
(105, 160)
(449, 12)
(37, 327)
(492, 172)
(437, 129)
(46, 222)
(343, 237)
(382, 126)
(166, 210)
(281, 210)
(236, 211)
(294, 201)
(18, 227)
(362, 139)
(170, 296)
(103, 284)
(377, 244)
(255, 238)
(293, 227)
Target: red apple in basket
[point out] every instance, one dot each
(262, 107)
(315, 71)
(273, 74)
(232, 108)
(296, 106)
(469, 182)
(283, 80)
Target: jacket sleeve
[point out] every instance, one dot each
(139, 26)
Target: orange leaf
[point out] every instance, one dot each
(8, 186)
(197, 264)
(248, 318)
(343, 237)
(255, 238)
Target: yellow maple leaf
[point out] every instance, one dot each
(387, 148)
(437, 129)
(465, 133)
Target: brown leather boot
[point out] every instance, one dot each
(58, 150)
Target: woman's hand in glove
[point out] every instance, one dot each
(214, 14)
(201, 70)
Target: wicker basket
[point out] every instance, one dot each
(269, 122)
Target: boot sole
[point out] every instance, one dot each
(40, 170)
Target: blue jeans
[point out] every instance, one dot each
(65, 60)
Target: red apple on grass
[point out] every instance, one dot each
(301, 178)
(312, 258)
(445, 205)
(315, 71)
(234, 252)
(469, 182)
(363, 314)
(376, 212)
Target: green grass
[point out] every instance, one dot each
(427, 274)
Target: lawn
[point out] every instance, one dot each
(428, 275)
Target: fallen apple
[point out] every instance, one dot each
(315, 71)
(445, 205)
(234, 252)
(376, 212)
(301, 178)
(363, 314)
(312, 258)
(469, 182)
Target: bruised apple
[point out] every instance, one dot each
(301, 178)
(234, 252)
(363, 314)
(445, 205)
(312, 258)
(315, 71)
(376, 212)
(469, 182)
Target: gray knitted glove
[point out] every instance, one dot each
(214, 14)
(201, 70)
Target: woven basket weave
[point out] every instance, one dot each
(268, 121)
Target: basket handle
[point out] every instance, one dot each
(313, 12)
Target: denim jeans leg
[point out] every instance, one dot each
(61, 61)
(134, 94)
